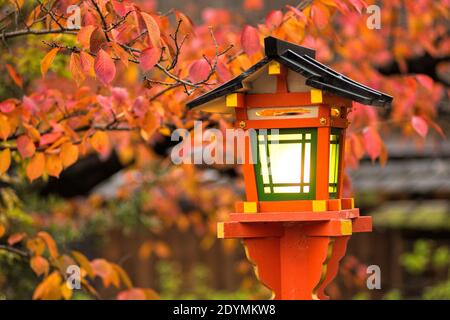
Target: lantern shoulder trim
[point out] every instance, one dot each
(300, 60)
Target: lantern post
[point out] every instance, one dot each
(295, 222)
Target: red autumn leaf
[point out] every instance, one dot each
(148, 58)
(320, 15)
(49, 138)
(253, 4)
(223, 72)
(199, 70)
(358, 5)
(16, 237)
(14, 75)
(104, 67)
(84, 36)
(25, 146)
(250, 40)
(372, 142)
(7, 106)
(420, 125)
(154, 34)
(131, 294)
(298, 14)
(274, 18)
(425, 81)
(119, 8)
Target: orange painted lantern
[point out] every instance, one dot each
(294, 223)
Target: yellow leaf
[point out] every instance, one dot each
(53, 165)
(66, 292)
(100, 142)
(2, 230)
(48, 59)
(5, 160)
(84, 263)
(122, 275)
(69, 154)
(36, 166)
(39, 265)
(5, 128)
(49, 288)
(51, 245)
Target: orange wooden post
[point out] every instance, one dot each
(295, 223)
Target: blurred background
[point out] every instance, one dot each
(158, 222)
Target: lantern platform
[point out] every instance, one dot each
(295, 254)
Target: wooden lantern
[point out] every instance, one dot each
(295, 222)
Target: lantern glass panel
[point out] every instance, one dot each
(285, 167)
(335, 139)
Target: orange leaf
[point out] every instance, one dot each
(16, 237)
(154, 34)
(51, 244)
(14, 75)
(69, 154)
(53, 165)
(186, 25)
(2, 230)
(48, 60)
(148, 58)
(5, 128)
(76, 68)
(84, 263)
(100, 142)
(145, 250)
(104, 67)
(39, 265)
(87, 63)
(162, 250)
(25, 146)
(120, 53)
(36, 246)
(36, 166)
(5, 160)
(84, 36)
(250, 40)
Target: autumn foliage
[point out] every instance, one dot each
(119, 82)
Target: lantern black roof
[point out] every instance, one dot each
(301, 60)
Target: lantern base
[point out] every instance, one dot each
(296, 258)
